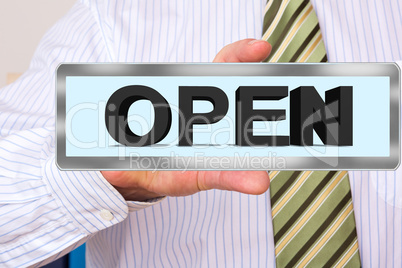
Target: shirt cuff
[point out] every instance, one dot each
(86, 198)
(89, 200)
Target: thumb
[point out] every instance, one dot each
(246, 50)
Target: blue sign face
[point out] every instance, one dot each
(228, 116)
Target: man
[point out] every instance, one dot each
(45, 212)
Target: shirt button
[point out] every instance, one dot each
(106, 215)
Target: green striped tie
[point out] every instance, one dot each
(312, 211)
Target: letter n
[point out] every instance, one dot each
(332, 120)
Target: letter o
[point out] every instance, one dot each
(116, 114)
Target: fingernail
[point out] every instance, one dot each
(252, 42)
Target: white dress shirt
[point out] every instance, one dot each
(45, 212)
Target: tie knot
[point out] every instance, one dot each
(291, 27)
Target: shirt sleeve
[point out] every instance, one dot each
(46, 212)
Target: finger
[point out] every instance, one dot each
(247, 50)
(247, 182)
(142, 185)
(177, 183)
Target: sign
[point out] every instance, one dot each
(228, 116)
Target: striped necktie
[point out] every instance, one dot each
(312, 211)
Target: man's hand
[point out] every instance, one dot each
(143, 185)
